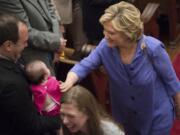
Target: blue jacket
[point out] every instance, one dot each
(141, 92)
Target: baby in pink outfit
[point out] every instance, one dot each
(45, 88)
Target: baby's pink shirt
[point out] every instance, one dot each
(50, 88)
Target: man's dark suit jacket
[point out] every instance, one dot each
(17, 113)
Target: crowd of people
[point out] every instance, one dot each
(144, 88)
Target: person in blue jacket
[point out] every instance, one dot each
(144, 89)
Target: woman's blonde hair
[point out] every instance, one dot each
(125, 18)
(86, 103)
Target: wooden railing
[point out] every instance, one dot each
(171, 8)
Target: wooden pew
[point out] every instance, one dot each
(170, 8)
(173, 8)
(149, 17)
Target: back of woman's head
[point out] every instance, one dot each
(125, 18)
(87, 104)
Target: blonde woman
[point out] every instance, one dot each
(142, 80)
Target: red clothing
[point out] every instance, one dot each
(176, 128)
(176, 64)
(51, 90)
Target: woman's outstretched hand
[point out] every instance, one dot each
(65, 86)
(71, 79)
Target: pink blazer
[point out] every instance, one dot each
(50, 89)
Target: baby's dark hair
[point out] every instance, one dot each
(34, 73)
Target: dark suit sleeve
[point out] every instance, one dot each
(55, 17)
(20, 111)
(40, 39)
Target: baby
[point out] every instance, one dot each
(45, 88)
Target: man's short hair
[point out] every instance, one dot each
(9, 28)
